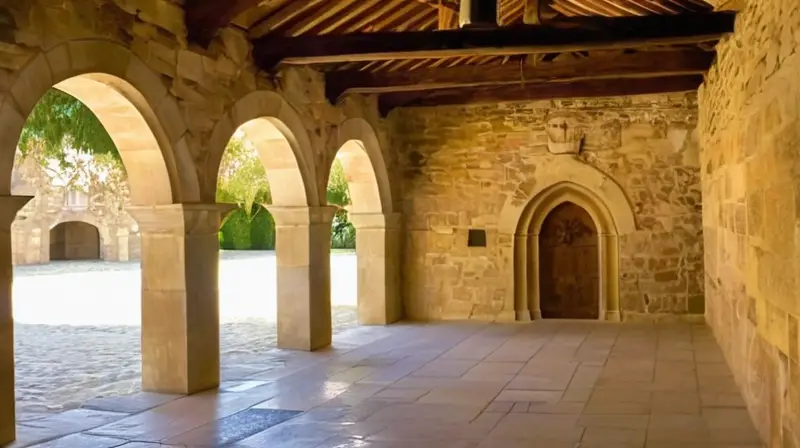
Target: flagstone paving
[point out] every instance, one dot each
(548, 384)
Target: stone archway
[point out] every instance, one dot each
(75, 240)
(376, 223)
(130, 101)
(284, 148)
(565, 180)
(146, 125)
(302, 220)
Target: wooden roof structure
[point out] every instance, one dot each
(413, 53)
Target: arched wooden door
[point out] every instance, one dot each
(569, 279)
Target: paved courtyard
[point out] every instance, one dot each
(77, 333)
(465, 385)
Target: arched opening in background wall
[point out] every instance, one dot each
(130, 103)
(569, 269)
(75, 240)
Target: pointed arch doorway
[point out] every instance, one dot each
(569, 279)
(566, 190)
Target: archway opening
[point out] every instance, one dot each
(247, 237)
(81, 143)
(369, 223)
(344, 268)
(75, 240)
(569, 271)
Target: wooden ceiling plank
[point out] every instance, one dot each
(580, 10)
(637, 65)
(394, 16)
(448, 18)
(624, 7)
(385, 7)
(282, 17)
(314, 20)
(531, 92)
(574, 34)
(354, 11)
(413, 22)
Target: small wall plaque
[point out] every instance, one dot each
(476, 238)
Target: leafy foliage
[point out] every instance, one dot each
(60, 121)
(343, 234)
(242, 179)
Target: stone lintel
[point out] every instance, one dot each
(302, 216)
(363, 221)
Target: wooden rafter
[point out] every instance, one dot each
(612, 66)
(574, 34)
(529, 92)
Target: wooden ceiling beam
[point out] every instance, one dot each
(612, 66)
(573, 34)
(541, 91)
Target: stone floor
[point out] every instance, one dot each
(546, 384)
(77, 334)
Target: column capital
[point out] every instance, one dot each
(374, 220)
(186, 219)
(9, 206)
(289, 216)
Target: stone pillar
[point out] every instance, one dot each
(610, 275)
(180, 296)
(378, 253)
(9, 206)
(534, 285)
(303, 251)
(521, 268)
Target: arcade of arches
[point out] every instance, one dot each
(665, 207)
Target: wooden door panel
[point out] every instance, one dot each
(569, 267)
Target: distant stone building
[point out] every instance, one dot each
(69, 221)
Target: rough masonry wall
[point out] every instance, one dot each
(460, 164)
(750, 127)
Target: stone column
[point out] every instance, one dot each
(534, 284)
(180, 296)
(303, 251)
(9, 206)
(610, 273)
(521, 268)
(378, 254)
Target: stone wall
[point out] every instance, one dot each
(118, 232)
(461, 164)
(750, 126)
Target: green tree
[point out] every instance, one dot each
(242, 179)
(60, 121)
(343, 234)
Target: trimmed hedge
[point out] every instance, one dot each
(238, 233)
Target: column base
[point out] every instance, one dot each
(536, 314)
(523, 316)
(613, 316)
